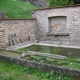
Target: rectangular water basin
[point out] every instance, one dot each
(68, 52)
(72, 55)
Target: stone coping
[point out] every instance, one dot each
(43, 54)
(43, 43)
(42, 66)
(67, 6)
(18, 19)
(56, 45)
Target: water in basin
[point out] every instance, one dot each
(69, 52)
(10, 53)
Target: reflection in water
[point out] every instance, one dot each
(69, 52)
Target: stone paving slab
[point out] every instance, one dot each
(21, 45)
(44, 54)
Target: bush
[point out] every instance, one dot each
(60, 2)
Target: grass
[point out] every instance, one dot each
(10, 71)
(16, 9)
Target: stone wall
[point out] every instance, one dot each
(40, 3)
(23, 28)
(60, 25)
(72, 14)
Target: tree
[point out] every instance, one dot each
(76, 1)
(60, 2)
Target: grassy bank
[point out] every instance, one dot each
(16, 9)
(17, 72)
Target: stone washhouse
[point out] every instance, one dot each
(58, 25)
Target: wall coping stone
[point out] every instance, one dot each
(67, 6)
(18, 19)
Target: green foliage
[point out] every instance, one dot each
(16, 9)
(8, 78)
(53, 3)
(28, 70)
(76, 1)
(10, 71)
(23, 49)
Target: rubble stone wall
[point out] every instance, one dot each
(24, 29)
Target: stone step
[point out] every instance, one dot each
(55, 42)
